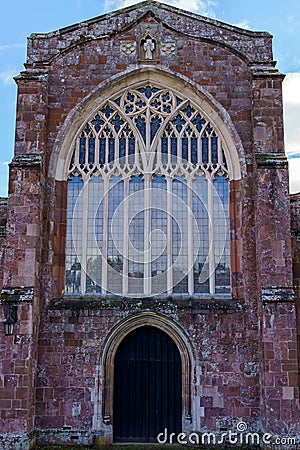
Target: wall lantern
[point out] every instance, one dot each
(11, 320)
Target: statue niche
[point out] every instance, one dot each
(148, 49)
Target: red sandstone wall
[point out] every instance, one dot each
(246, 349)
(3, 220)
(295, 216)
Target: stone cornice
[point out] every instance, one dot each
(263, 71)
(161, 303)
(40, 75)
(275, 294)
(271, 160)
(17, 294)
(27, 160)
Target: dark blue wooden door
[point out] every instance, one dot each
(147, 386)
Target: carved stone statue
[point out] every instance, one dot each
(149, 47)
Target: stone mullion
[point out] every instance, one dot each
(209, 150)
(106, 148)
(105, 235)
(97, 150)
(190, 237)
(127, 150)
(211, 249)
(199, 149)
(169, 237)
(125, 237)
(220, 155)
(189, 138)
(147, 231)
(169, 150)
(159, 153)
(84, 243)
(148, 130)
(86, 156)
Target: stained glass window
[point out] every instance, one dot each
(148, 205)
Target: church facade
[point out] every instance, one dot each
(149, 246)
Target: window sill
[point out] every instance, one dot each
(222, 302)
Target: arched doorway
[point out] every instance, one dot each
(147, 386)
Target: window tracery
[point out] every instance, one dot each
(148, 199)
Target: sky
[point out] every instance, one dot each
(281, 19)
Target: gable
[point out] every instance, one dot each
(255, 47)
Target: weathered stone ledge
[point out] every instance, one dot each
(40, 74)
(17, 294)
(266, 71)
(27, 160)
(278, 160)
(161, 303)
(276, 294)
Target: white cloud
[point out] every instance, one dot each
(204, 7)
(294, 171)
(6, 76)
(291, 101)
(11, 46)
(292, 24)
(291, 89)
(243, 24)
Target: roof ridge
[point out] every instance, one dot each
(157, 4)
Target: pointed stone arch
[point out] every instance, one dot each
(162, 79)
(218, 116)
(117, 334)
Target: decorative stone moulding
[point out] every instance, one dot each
(261, 70)
(276, 294)
(168, 48)
(128, 47)
(271, 160)
(168, 305)
(17, 294)
(40, 75)
(27, 160)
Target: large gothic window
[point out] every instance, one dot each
(148, 200)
